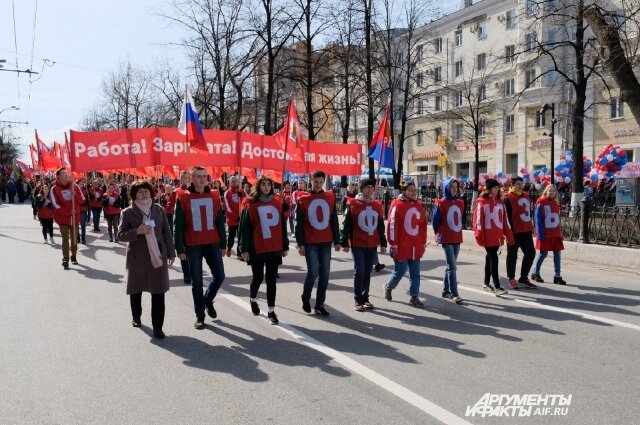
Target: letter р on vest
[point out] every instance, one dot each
(268, 218)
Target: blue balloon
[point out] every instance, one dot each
(545, 170)
(613, 152)
(526, 179)
(603, 161)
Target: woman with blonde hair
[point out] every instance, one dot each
(548, 233)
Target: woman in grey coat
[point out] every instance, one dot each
(150, 252)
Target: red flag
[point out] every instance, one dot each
(24, 169)
(35, 161)
(48, 160)
(289, 137)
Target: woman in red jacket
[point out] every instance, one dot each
(548, 233)
(407, 238)
(45, 212)
(490, 227)
(111, 205)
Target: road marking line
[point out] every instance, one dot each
(394, 388)
(548, 307)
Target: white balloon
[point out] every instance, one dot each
(538, 186)
(609, 157)
(567, 179)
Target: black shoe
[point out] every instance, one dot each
(387, 293)
(65, 264)
(116, 240)
(157, 333)
(446, 294)
(136, 323)
(187, 281)
(321, 311)
(273, 318)
(306, 305)
(211, 311)
(368, 305)
(537, 278)
(199, 323)
(74, 260)
(84, 242)
(277, 275)
(254, 308)
(559, 281)
(110, 239)
(379, 267)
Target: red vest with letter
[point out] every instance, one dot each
(490, 224)
(317, 209)
(95, 197)
(549, 212)
(266, 218)
(200, 212)
(232, 206)
(365, 217)
(112, 207)
(451, 212)
(520, 212)
(407, 229)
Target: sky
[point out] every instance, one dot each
(73, 45)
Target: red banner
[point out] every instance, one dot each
(149, 147)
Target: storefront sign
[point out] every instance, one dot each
(630, 169)
(540, 143)
(468, 147)
(426, 155)
(627, 132)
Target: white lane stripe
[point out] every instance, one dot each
(551, 308)
(394, 388)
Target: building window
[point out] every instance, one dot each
(463, 170)
(419, 53)
(458, 130)
(437, 74)
(509, 124)
(549, 4)
(420, 106)
(437, 132)
(459, 97)
(482, 125)
(529, 78)
(540, 119)
(438, 45)
(420, 80)
(510, 53)
(482, 92)
(509, 87)
(482, 30)
(457, 69)
(531, 7)
(420, 138)
(511, 19)
(529, 41)
(438, 105)
(617, 108)
(481, 61)
(511, 162)
(551, 38)
(551, 77)
(458, 38)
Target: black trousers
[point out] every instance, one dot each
(491, 266)
(523, 241)
(233, 231)
(157, 308)
(258, 270)
(47, 227)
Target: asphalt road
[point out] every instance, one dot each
(69, 355)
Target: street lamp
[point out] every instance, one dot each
(544, 109)
(10, 108)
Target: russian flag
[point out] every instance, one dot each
(381, 146)
(190, 125)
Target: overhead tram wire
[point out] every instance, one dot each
(33, 47)
(15, 43)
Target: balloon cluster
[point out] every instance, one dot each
(499, 176)
(611, 160)
(541, 178)
(526, 177)
(564, 170)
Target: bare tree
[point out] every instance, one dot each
(8, 146)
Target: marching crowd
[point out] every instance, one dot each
(200, 219)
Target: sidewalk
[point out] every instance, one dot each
(604, 255)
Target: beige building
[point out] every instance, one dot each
(484, 55)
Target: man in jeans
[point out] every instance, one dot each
(518, 206)
(199, 233)
(95, 202)
(363, 230)
(316, 228)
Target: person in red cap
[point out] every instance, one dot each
(490, 228)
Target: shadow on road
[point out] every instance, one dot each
(197, 353)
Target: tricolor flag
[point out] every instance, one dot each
(381, 147)
(190, 125)
(24, 169)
